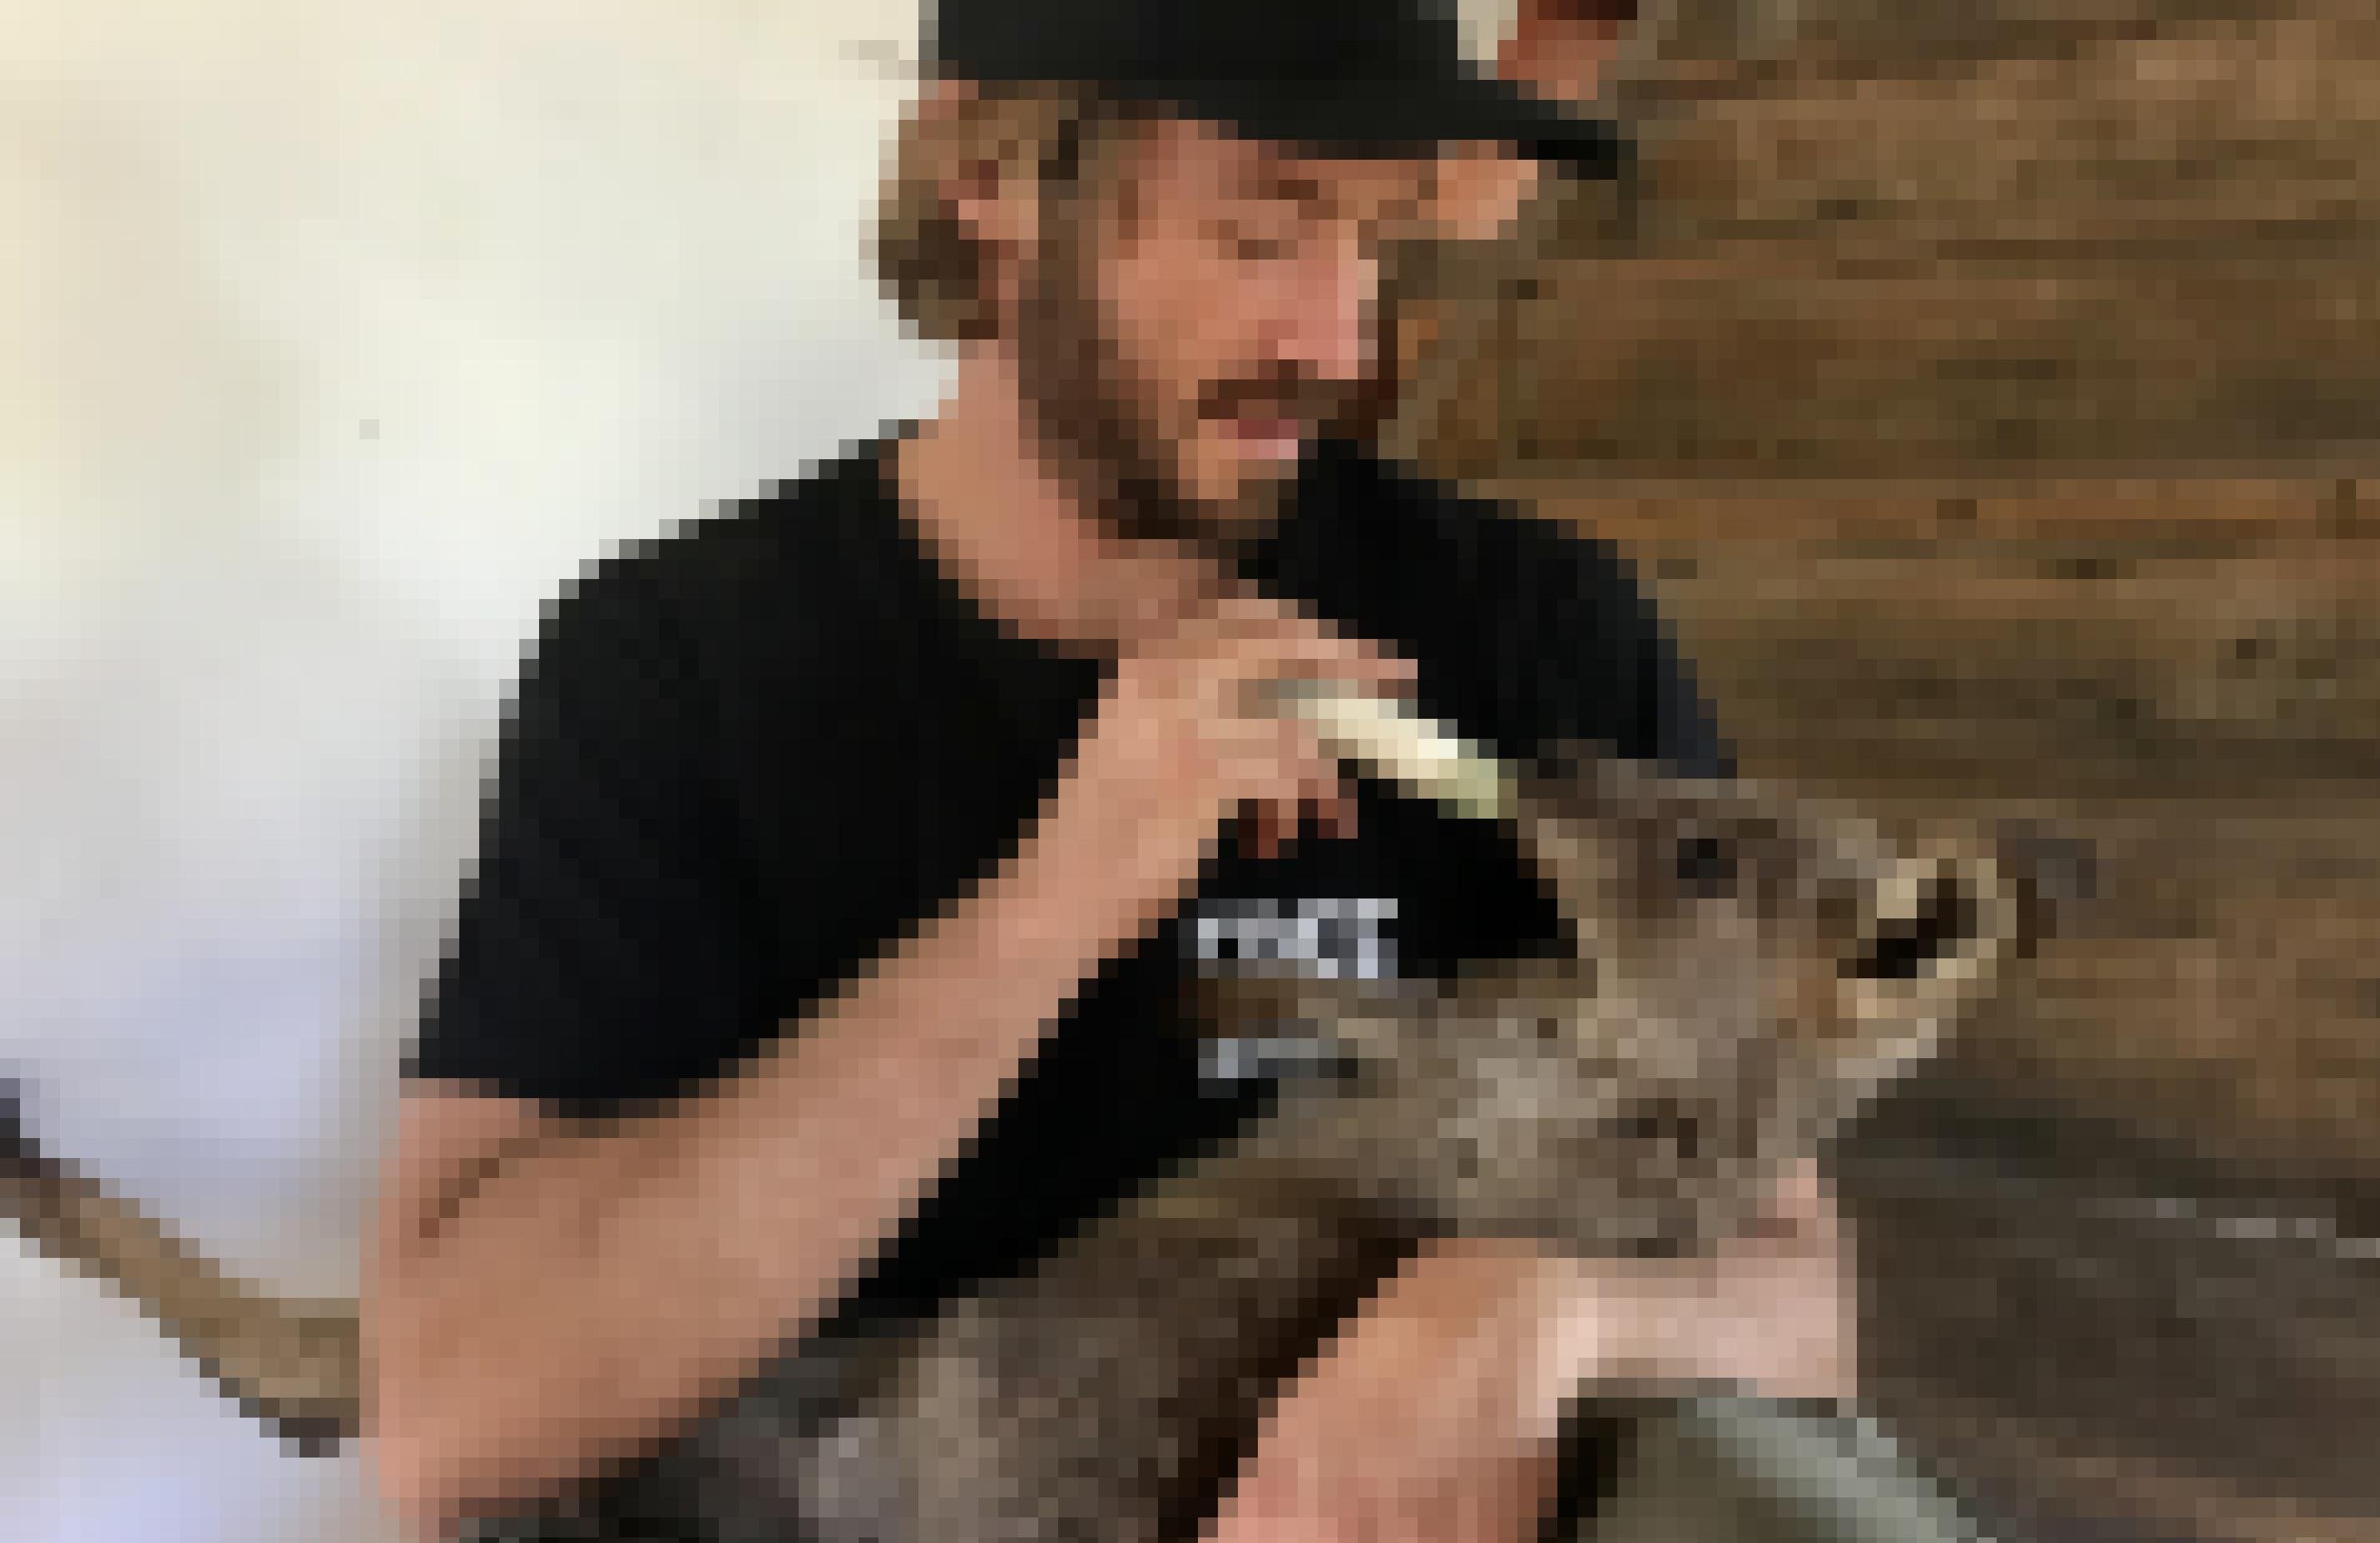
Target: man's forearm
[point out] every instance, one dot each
(1437, 1412)
(598, 1287)
(1433, 1414)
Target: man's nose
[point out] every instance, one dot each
(1329, 323)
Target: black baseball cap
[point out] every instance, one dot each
(1355, 78)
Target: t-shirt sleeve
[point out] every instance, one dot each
(1609, 667)
(1679, 727)
(600, 955)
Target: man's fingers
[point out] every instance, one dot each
(1271, 636)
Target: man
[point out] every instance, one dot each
(849, 853)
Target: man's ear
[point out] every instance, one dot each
(988, 189)
(995, 205)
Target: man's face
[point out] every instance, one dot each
(1184, 339)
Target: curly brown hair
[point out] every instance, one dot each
(936, 272)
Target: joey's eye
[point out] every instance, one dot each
(1662, 1125)
(1704, 867)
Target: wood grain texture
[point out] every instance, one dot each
(2119, 1255)
(2145, 234)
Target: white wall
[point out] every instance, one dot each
(332, 337)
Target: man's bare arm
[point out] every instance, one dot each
(575, 1290)
(1435, 1413)
(550, 1299)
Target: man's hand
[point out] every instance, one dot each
(1773, 1312)
(1181, 740)
(1433, 1414)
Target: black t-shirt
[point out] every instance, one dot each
(747, 755)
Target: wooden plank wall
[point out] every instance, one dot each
(2083, 250)
(2189, 674)
(1991, 393)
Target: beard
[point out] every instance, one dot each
(1092, 422)
(1105, 433)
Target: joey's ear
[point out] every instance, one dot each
(1953, 911)
(1944, 918)
(2055, 873)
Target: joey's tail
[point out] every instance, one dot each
(294, 1367)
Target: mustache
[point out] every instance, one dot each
(1302, 399)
